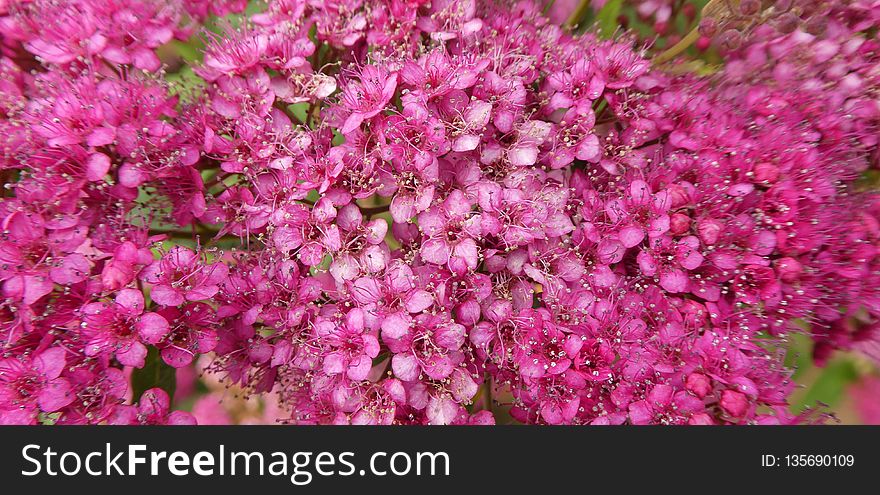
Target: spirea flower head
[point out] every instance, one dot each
(409, 212)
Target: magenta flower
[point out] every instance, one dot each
(352, 347)
(99, 393)
(181, 276)
(448, 234)
(666, 406)
(575, 87)
(363, 250)
(545, 349)
(431, 346)
(25, 254)
(414, 192)
(640, 213)
(670, 261)
(390, 302)
(191, 332)
(310, 234)
(121, 328)
(574, 139)
(152, 409)
(29, 386)
(366, 94)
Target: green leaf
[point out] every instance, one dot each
(799, 355)
(300, 111)
(190, 50)
(155, 373)
(831, 384)
(607, 17)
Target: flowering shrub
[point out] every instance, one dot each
(429, 212)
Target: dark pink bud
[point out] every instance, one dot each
(789, 269)
(734, 403)
(661, 27)
(689, 11)
(708, 231)
(703, 43)
(698, 384)
(679, 223)
(678, 195)
(468, 312)
(766, 172)
(822, 352)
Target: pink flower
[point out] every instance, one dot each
(431, 346)
(363, 250)
(28, 386)
(545, 349)
(366, 94)
(181, 276)
(448, 234)
(640, 213)
(121, 328)
(25, 253)
(664, 405)
(152, 409)
(670, 261)
(352, 348)
(191, 332)
(489, 203)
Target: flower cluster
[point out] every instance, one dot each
(426, 212)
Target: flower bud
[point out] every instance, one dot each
(789, 269)
(708, 27)
(787, 23)
(703, 43)
(766, 173)
(679, 223)
(749, 7)
(781, 5)
(661, 27)
(709, 231)
(730, 40)
(698, 384)
(689, 11)
(734, 403)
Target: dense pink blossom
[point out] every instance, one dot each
(412, 212)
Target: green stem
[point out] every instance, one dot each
(487, 395)
(176, 232)
(578, 13)
(714, 8)
(677, 48)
